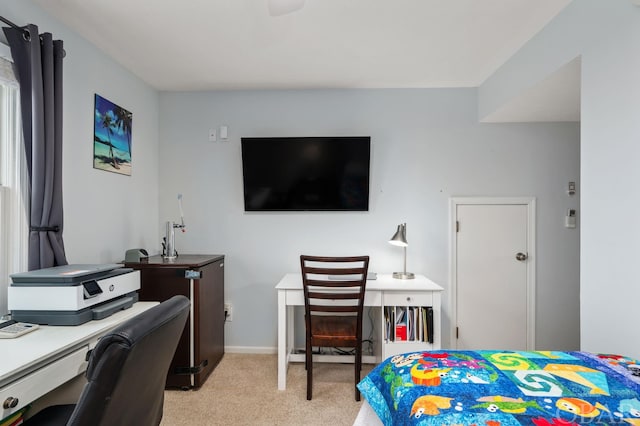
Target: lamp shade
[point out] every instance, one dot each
(400, 237)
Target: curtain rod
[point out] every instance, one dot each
(25, 32)
(8, 22)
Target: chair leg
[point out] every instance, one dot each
(358, 368)
(308, 361)
(306, 350)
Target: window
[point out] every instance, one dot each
(13, 176)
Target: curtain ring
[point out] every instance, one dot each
(26, 35)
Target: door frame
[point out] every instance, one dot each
(530, 202)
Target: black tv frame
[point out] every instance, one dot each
(311, 173)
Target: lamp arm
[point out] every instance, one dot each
(405, 260)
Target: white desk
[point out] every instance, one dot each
(34, 364)
(384, 291)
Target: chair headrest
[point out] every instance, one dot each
(130, 332)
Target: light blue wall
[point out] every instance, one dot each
(105, 213)
(610, 173)
(606, 34)
(427, 146)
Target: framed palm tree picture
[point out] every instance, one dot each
(111, 137)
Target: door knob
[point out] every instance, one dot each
(521, 256)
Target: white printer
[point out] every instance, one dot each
(72, 294)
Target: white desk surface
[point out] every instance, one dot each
(384, 282)
(32, 350)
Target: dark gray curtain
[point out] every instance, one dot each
(38, 67)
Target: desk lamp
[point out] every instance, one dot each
(400, 239)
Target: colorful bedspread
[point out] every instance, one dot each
(504, 388)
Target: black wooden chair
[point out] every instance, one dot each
(127, 372)
(333, 301)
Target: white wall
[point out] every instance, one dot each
(607, 35)
(104, 213)
(610, 173)
(426, 147)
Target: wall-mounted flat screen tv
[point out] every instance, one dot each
(306, 173)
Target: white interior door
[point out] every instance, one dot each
(494, 300)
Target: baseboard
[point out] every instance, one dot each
(251, 350)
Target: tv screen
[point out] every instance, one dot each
(306, 173)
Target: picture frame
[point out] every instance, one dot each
(112, 137)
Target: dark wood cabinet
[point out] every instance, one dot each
(201, 279)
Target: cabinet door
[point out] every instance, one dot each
(160, 284)
(209, 323)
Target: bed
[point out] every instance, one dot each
(501, 388)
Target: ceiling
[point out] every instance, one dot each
(236, 44)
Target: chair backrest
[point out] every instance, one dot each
(334, 285)
(128, 368)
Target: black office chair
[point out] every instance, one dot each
(127, 372)
(333, 300)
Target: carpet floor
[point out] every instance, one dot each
(243, 390)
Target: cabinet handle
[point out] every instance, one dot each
(222, 265)
(10, 402)
(408, 299)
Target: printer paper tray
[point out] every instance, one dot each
(97, 312)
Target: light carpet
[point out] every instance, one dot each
(243, 390)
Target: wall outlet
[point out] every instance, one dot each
(228, 312)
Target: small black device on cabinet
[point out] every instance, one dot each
(136, 255)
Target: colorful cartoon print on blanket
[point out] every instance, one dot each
(504, 388)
